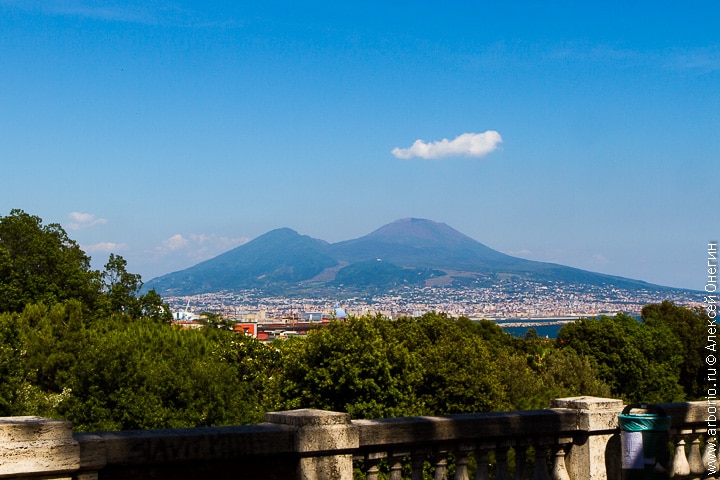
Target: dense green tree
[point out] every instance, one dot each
(121, 287)
(533, 370)
(139, 375)
(689, 327)
(360, 366)
(376, 367)
(55, 339)
(639, 364)
(41, 264)
(460, 375)
(12, 365)
(151, 306)
(121, 291)
(256, 365)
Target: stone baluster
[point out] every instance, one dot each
(697, 469)
(417, 462)
(481, 459)
(461, 462)
(395, 462)
(441, 461)
(596, 453)
(559, 471)
(710, 455)
(521, 466)
(502, 471)
(372, 465)
(679, 467)
(541, 471)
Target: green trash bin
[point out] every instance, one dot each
(644, 439)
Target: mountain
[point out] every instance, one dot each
(414, 242)
(278, 258)
(406, 252)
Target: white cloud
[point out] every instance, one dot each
(465, 145)
(599, 258)
(176, 242)
(83, 220)
(104, 247)
(197, 247)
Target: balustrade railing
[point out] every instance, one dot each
(692, 449)
(575, 439)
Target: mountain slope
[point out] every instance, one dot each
(420, 243)
(277, 258)
(406, 252)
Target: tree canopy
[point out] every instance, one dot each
(40, 263)
(640, 362)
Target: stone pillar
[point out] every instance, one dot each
(35, 446)
(323, 441)
(595, 455)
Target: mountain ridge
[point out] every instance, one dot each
(407, 252)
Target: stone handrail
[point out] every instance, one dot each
(575, 439)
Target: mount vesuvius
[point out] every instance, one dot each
(407, 252)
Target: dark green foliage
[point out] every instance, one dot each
(152, 307)
(39, 263)
(147, 375)
(640, 363)
(120, 286)
(376, 367)
(12, 368)
(116, 373)
(361, 367)
(689, 327)
(460, 375)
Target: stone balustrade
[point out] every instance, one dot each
(575, 439)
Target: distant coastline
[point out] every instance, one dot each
(546, 327)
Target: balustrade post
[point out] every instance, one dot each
(559, 469)
(441, 462)
(595, 451)
(481, 460)
(501, 463)
(417, 461)
(461, 462)
(521, 467)
(540, 472)
(679, 466)
(323, 440)
(697, 469)
(372, 465)
(35, 446)
(709, 457)
(395, 461)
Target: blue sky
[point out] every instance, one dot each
(581, 133)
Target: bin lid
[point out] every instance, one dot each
(654, 419)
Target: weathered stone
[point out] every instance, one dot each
(324, 441)
(35, 445)
(595, 453)
(318, 445)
